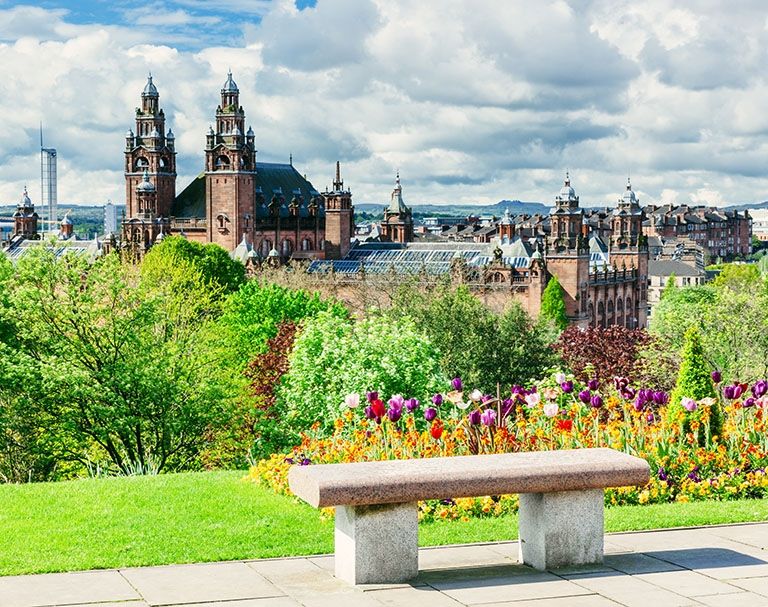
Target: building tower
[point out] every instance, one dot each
(397, 225)
(146, 226)
(339, 218)
(230, 171)
(629, 250)
(150, 150)
(568, 253)
(67, 227)
(48, 187)
(506, 227)
(25, 218)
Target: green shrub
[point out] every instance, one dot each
(553, 304)
(694, 381)
(333, 357)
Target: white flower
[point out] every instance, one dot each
(551, 409)
(560, 377)
(532, 399)
(462, 405)
(352, 400)
(476, 395)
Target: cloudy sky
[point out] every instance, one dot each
(473, 100)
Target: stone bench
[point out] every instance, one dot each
(561, 504)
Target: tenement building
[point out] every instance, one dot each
(264, 209)
(721, 233)
(602, 265)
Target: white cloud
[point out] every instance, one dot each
(473, 100)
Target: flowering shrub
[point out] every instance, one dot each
(559, 413)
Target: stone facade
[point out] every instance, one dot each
(269, 208)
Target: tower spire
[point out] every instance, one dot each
(338, 184)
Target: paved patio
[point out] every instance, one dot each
(718, 566)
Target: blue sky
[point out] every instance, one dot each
(201, 21)
(474, 101)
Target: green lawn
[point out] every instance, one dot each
(183, 518)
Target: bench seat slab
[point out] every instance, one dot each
(377, 544)
(561, 529)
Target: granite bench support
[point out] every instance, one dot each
(561, 504)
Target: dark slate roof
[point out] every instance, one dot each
(270, 176)
(665, 267)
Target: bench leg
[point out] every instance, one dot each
(377, 544)
(561, 529)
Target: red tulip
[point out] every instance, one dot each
(437, 429)
(378, 408)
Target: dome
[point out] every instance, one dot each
(250, 132)
(146, 185)
(150, 89)
(210, 130)
(155, 134)
(170, 134)
(66, 221)
(629, 196)
(567, 192)
(160, 237)
(25, 202)
(507, 219)
(229, 85)
(129, 133)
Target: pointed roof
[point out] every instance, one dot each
(146, 185)
(150, 90)
(397, 204)
(25, 201)
(229, 85)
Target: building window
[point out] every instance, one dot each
(286, 248)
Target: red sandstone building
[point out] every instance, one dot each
(263, 209)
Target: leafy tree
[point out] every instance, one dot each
(603, 353)
(694, 381)
(669, 287)
(476, 344)
(680, 309)
(333, 357)
(173, 258)
(122, 373)
(553, 304)
(252, 315)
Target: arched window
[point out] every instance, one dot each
(266, 247)
(222, 221)
(140, 164)
(600, 314)
(286, 248)
(322, 244)
(306, 244)
(222, 163)
(164, 164)
(630, 312)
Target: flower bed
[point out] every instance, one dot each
(689, 461)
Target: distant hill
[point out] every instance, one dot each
(461, 210)
(749, 205)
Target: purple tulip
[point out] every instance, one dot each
(507, 405)
(437, 400)
(474, 418)
(430, 413)
(397, 402)
(717, 377)
(585, 396)
(627, 393)
(593, 384)
(371, 396)
(567, 386)
(488, 417)
(394, 414)
(369, 412)
(456, 383)
(650, 418)
(737, 391)
(689, 404)
(305, 461)
(412, 404)
(760, 388)
(596, 401)
(662, 474)
(728, 392)
(750, 402)
(660, 398)
(639, 403)
(486, 398)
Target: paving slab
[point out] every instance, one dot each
(65, 588)
(179, 584)
(717, 566)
